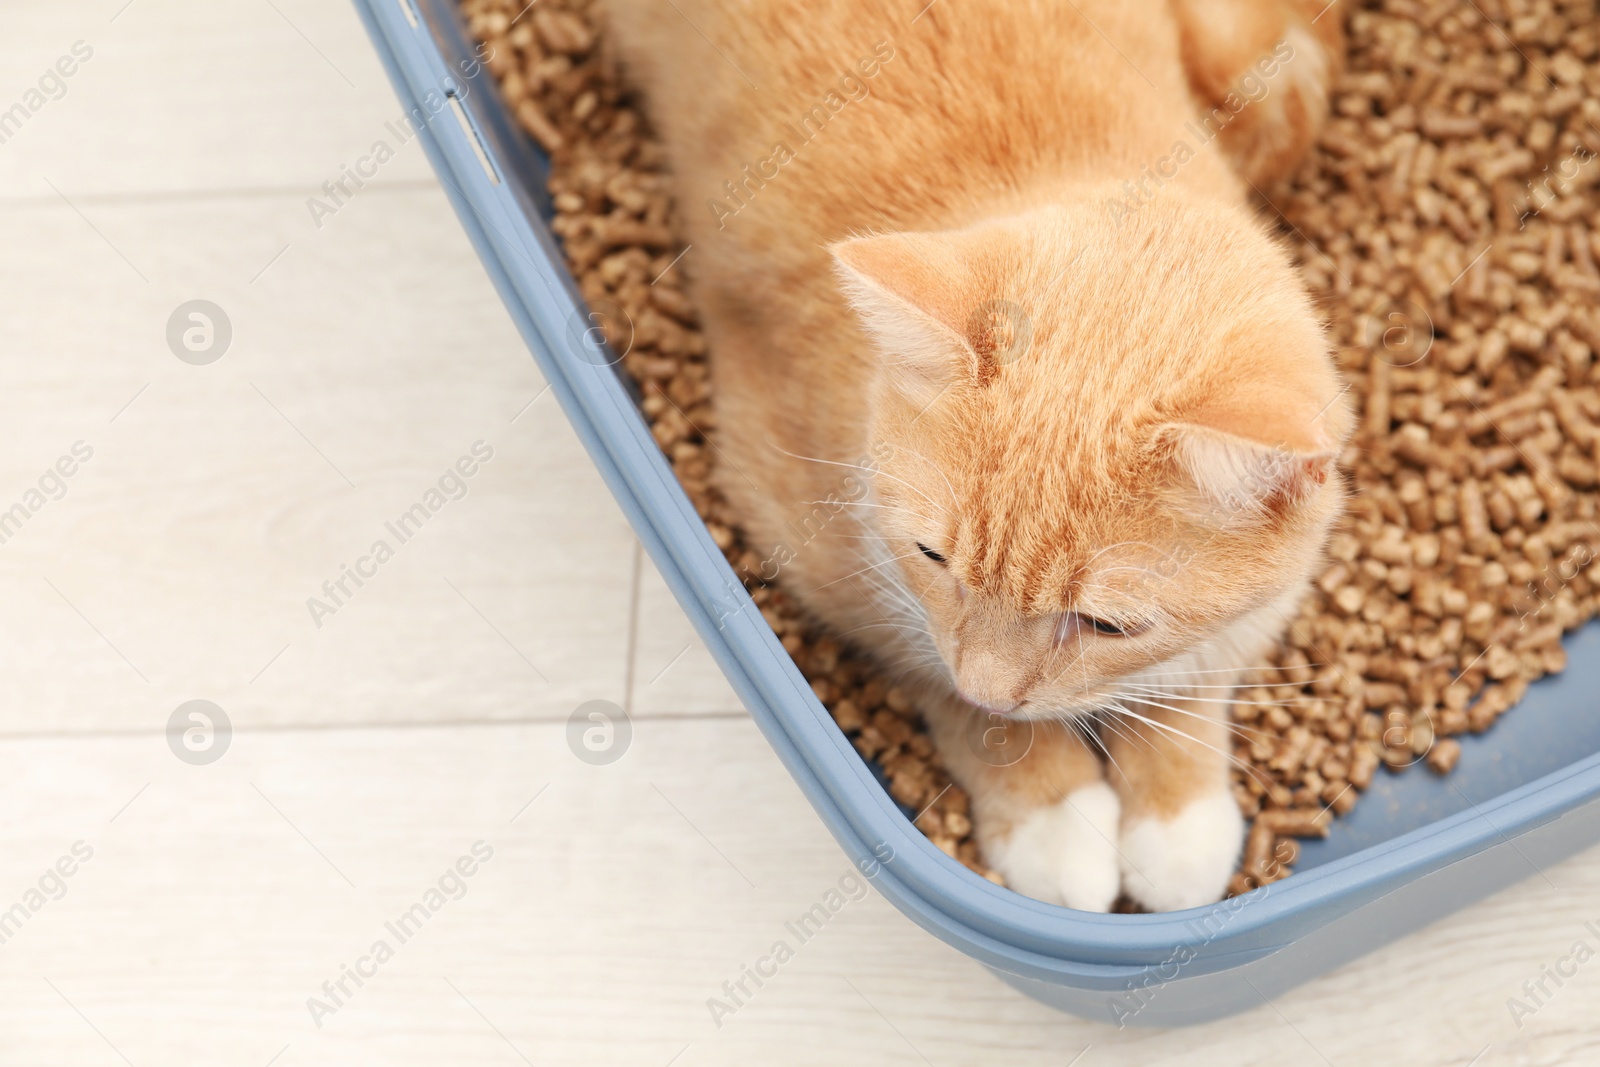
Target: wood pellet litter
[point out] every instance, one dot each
(1446, 221)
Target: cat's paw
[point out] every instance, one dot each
(1064, 853)
(1274, 132)
(1185, 861)
(1263, 72)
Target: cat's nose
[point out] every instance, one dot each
(986, 682)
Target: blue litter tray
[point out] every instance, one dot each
(1416, 848)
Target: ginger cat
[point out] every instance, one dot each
(1000, 256)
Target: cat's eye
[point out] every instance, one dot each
(930, 553)
(1076, 622)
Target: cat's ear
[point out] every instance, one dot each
(926, 299)
(1258, 450)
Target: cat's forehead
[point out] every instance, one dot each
(1043, 550)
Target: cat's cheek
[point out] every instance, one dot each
(1185, 861)
(1065, 853)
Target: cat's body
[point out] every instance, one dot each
(1095, 409)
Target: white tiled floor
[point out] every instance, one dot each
(425, 714)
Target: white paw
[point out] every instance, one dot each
(1065, 853)
(1184, 862)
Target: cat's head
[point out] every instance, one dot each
(1101, 442)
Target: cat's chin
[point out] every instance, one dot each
(1061, 715)
(1069, 710)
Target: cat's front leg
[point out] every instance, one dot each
(1043, 814)
(1181, 829)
